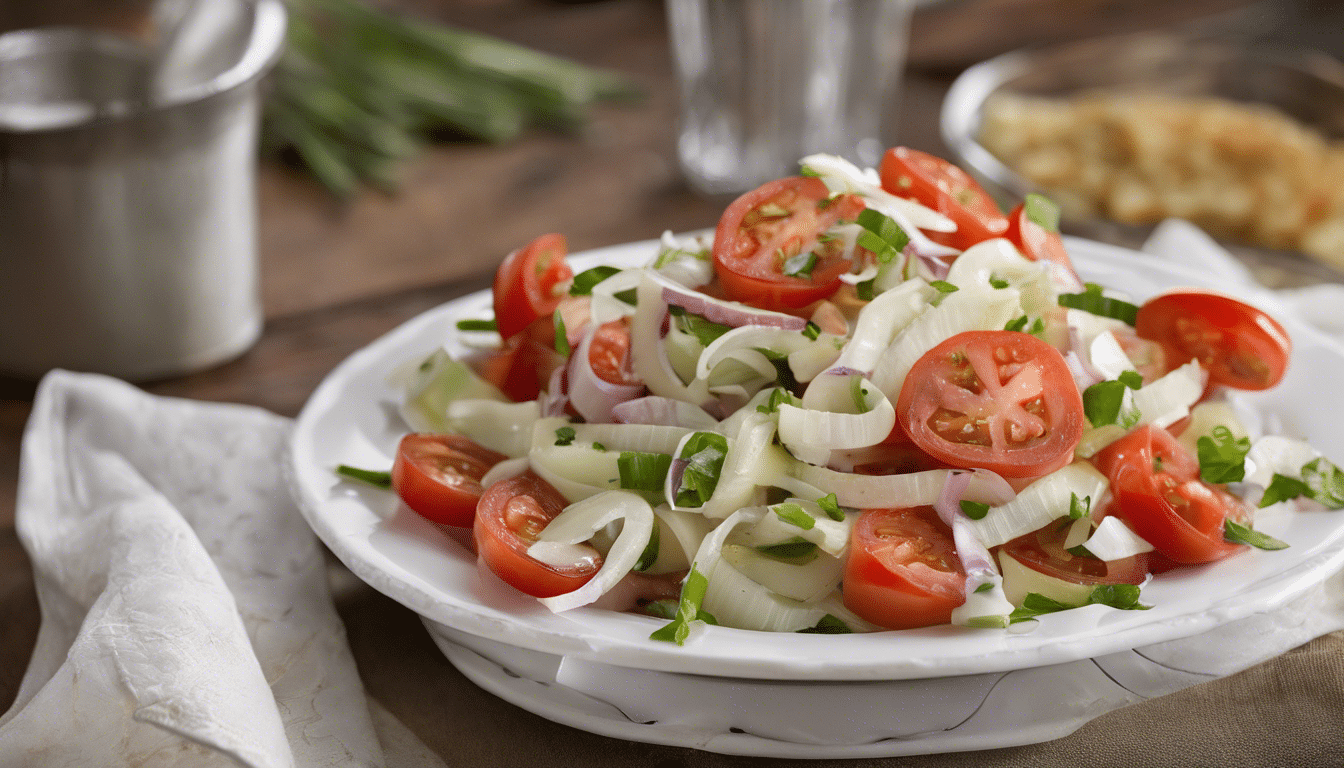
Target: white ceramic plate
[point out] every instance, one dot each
(352, 419)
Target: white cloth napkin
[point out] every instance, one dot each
(1181, 242)
(186, 618)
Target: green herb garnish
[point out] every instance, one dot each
(371, 476)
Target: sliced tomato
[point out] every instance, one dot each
(1156, 490)
(997, 400)
(609, 353)
(1043, 551)
(1239, 345)
(942, 186)
(439, 476)
(530, 283)
(509, 517)
(765, 228)
(903, 571)
(521, 368)
(1038, 243)
(1149, 357)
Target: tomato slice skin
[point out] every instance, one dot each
(609, 352)
(942, 186)
(1038, 243)
(439, 476)
(529, 283)
(521, 368)
(1239, 345)
(1156, 490)
(997, 400)
(509, 517)
(778, 220)
(903, 571)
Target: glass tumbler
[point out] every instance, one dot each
(766, 82)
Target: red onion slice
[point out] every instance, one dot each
(665, 411)
(730, 313)
(591, 395)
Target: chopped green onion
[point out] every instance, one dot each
(1079, 508)
(372, 477)
(704, 453)
(778, 396)
(794, 515)
(630, 296)
(797, 551)
(827, 625)
(1092, 301)
(974, 509)
(565, 436)
(811, 330)
(1131, 379)
(1283, 488)
(859, 394)
(688, 610)
(1081, 551)
(881, 235)
(704, 331)
(800, 265)
(561, 337)
(1326, 482)
(1103, 403)
(1237, 533)
(650, 554)
(831, 506)
(942, 286)
(476, 325)
(998, 283)
(1042, 211)
(642, 471)
(1222, 457)
(583, 282)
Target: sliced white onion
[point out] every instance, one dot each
(578, 522)
(737, 601)
(749, 337)
(503, 427)
(1207, 416)
(807, 430)
(434, 383)
(679, 537)
(843, 177)
(749, 465)
(964, 310)
(912, 489)
(1107, 357)
(1047, 499)
(591, 395)
(646, 350)
(803, 582)
(812, 360)
(687, 262)
(577, 471)
(1273, 455)
(830, 536)
(730, 313)
(646, 438)
(1113, 540)
(653, 409)
(1020, 580)
(555, 399)
(504, 470)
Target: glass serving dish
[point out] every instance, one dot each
(1304, 85)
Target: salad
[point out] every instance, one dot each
(870, 400)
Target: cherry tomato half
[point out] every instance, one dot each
(765, 228)
(1239, 345)
(1038, 243)
(903, 571)
(1156, 490)
(439, 476)
(942, 186)
(521, 367)
(997, 400)
(609, 352)
(509, 517)
(530, 283)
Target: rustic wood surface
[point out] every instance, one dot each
(337, 275)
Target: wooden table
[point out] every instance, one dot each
(337, 275)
